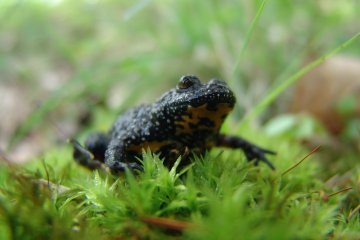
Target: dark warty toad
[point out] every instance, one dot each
(186, 119)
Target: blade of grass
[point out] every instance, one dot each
(247, 39)
(353, 213)
(268, 99)
(236, 84)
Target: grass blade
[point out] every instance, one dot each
(247, 39)
(268, 99)
(233, 83)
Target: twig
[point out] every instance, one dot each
(297, 164)
(340, 191)
(167, 223)
(52, 186)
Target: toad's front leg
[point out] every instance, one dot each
(84, 157)
(92, 155)
(117, 159)
(252, 152)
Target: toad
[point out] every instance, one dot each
(186, 119)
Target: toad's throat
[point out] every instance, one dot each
(202, 117)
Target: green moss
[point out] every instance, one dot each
(222, 195)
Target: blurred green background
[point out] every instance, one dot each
(67, 64)
(70, 67)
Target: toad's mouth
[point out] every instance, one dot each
(213, 99)
(213, 93)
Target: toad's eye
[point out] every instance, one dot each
(187, 81)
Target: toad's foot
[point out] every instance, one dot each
(84, 157)
(252, 152)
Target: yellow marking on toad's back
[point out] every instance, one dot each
(196, 113)
(154, 146)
